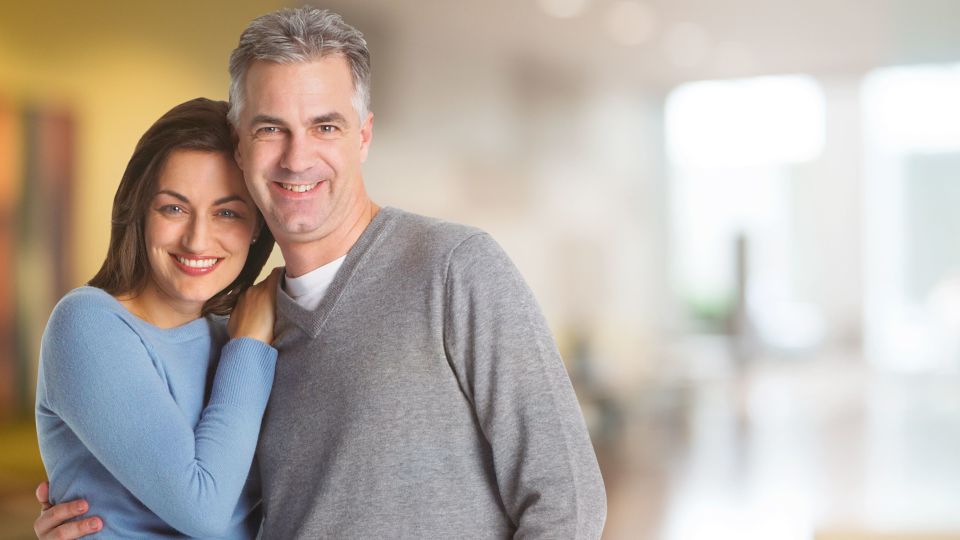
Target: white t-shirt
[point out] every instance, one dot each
(308, 289)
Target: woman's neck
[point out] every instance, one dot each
(163, 312)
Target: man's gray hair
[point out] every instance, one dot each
(302, 34)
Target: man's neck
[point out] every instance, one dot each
(304, 257)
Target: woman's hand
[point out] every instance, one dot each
(50, 525)
(256, 309)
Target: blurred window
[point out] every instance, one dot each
(733, 148)
(911, 120)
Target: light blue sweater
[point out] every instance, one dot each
(156, 428)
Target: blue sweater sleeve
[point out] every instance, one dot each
(101, 381)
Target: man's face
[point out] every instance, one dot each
(300, 146)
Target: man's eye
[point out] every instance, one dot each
(268, 130)
(329, 128)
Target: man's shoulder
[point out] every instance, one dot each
(451, 245)
(431, 230)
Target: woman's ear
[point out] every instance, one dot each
(257, 229)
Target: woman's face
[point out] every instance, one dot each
(198, 229)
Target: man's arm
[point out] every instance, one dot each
(501, 348)
(53, 521)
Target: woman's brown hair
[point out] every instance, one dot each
(199, 124)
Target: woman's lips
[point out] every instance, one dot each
(195, 266)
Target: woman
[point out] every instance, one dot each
(148, 403)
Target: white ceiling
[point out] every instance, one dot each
(691, 39)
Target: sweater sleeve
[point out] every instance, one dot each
(102, 382)
(499, 345)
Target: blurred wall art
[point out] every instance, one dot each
(36, 183)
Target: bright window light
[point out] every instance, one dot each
(914, 108)
(911, 118)
(732, 146)
(764, 120)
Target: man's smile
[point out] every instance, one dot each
(298, 188)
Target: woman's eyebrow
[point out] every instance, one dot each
(173, 194)
(221, 200)
(229, 198)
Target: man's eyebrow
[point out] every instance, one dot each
(328, 118)
(266, 119)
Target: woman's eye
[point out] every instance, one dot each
(227, 213)
(172, 209)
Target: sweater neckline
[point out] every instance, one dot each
(187, 331)
(311, 322)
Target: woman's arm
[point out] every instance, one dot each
(102, 383)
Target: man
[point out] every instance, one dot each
(419, 393)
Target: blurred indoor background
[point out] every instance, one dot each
(740, 217)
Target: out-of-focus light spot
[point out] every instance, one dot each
(562, 9)
(686, 45)
(914, 108)
(789, 325)
(944, 303)
(753, 121)
(631, 23)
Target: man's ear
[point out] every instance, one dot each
(237, 156)
(366, 135)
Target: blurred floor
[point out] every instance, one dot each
(797, 448)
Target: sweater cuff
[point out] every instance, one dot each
(245, 374)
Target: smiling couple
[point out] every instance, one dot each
(417, 393)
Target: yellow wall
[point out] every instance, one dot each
(118, 66)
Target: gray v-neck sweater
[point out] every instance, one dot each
(424, 398)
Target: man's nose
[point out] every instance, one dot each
(299, 154)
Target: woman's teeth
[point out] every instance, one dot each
(299, 188)
(197, 263)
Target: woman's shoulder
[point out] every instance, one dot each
(85, 320)
(87, 301)
(88, 309)
(87, 293)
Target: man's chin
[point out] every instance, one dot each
(297, 232)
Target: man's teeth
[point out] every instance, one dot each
(299, 188)
(198, 263)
